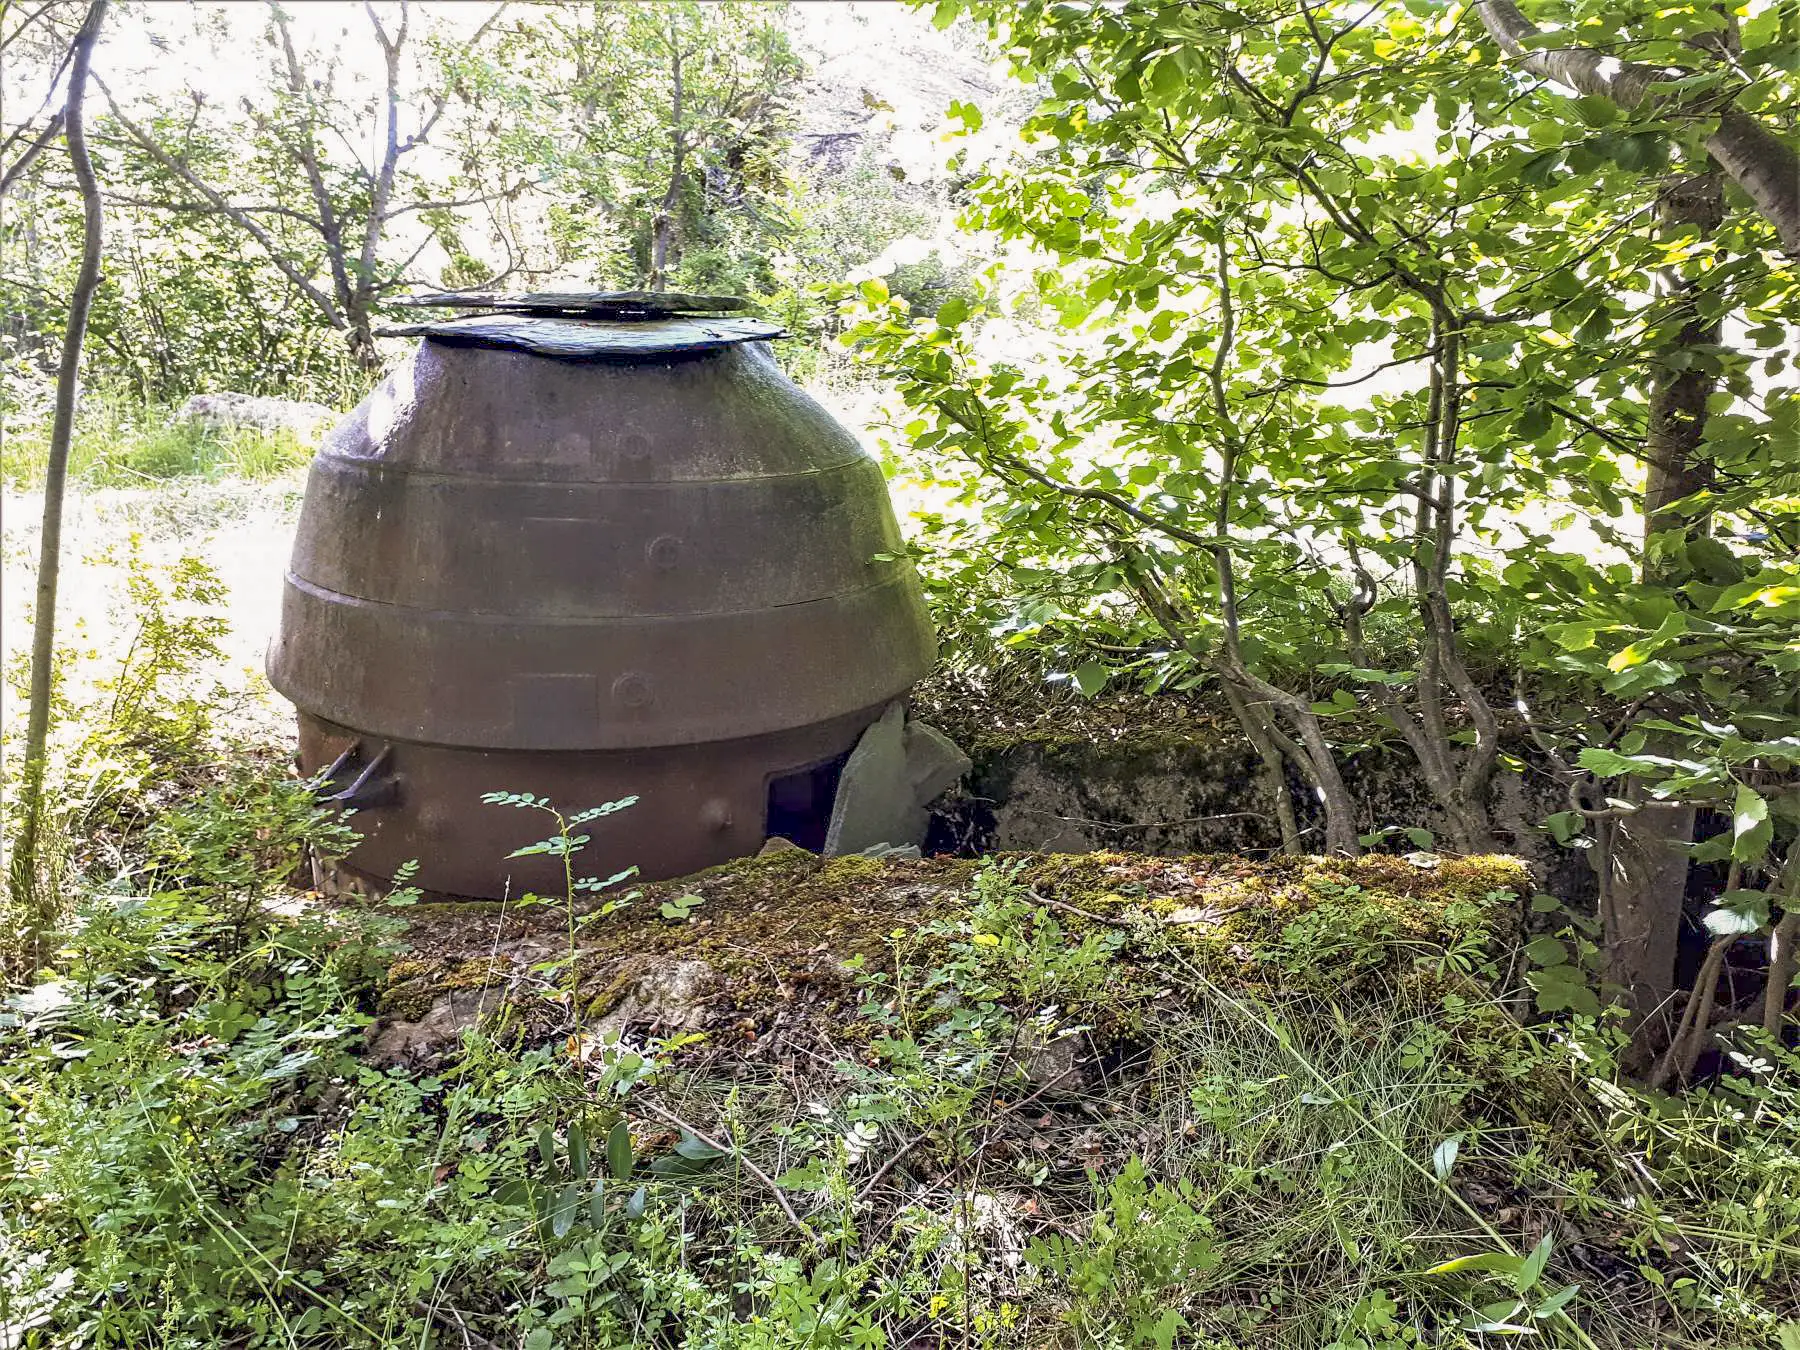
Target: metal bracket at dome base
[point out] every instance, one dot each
(617, 305)
(367, 786)
(579, 339)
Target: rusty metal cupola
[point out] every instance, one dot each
(590, 546)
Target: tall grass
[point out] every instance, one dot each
(121, 442)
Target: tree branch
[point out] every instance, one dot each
(1766, 167)
(16, 170)
(243, 219)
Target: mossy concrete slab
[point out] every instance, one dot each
(776, 945)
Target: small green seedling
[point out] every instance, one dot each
(682, 907)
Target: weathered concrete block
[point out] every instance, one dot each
(1072, 794)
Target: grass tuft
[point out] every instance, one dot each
(120, 442)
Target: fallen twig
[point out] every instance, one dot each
(868, 1187)
(1076, 910)
(670, 1118)
(450, 1317)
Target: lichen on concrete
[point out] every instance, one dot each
(785, 935)
(773, 930)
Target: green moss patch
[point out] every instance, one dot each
(786, 933)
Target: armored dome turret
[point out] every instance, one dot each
(590, 547)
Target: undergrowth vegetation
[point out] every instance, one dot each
(1088, 1101)
(122, 442)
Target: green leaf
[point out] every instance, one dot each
(1092, 677)
(1714, 560)
(681, 908)
(1639, 679)
(1757, 593)
(619, 1158)
(966, 113)
(1166, 79)
(1562, 989)
(1642, 151)
(1504, 1262)
(1571, 637)
(1595, 110)
(1611, 764)
(1730, 923)
(1672, 627)
(1556, 1302)
(1714, 849)
(697, 1150)
(1547, 951)
(1532, 422)
(578, 1153)
(1636, 654)
(1531, 1270)
(1739, 912)
(1341, 702)
(1751, 828)
(562, 1218)
(810, 1176)
(1565, 825)
(546, 1142)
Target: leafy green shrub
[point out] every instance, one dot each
(157, 1090)
(196, 1154)
(1146, 1245)
(143, 733)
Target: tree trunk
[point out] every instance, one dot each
(1678, 466)
(1766, 167)
(359, 335)
(662, 227)
(24, 868)
(1274, 765)
(1642, 924)
(1649, 854)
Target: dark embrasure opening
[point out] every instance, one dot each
(800, 803)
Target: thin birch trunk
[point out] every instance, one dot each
(24, 878)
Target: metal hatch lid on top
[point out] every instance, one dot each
(588, 325)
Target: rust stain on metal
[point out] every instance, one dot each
(655, 574)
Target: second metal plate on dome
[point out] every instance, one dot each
(577, 339)
(592, 304)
